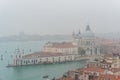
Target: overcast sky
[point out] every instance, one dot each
(58, 16)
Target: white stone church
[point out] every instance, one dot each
(87, 42)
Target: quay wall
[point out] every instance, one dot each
(50, 60)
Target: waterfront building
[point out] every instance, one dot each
(45, 57)
(87, 42)
(17, 57)
(64, 47)
(41, 57)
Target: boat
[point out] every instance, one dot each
(46, 76)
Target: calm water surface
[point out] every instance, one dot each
(34, 72)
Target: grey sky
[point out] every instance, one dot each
(58, 16)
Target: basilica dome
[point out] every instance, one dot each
(88, 33)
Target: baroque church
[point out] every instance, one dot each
(87, 41)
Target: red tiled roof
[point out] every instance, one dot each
(114, 70)
(62, 45)
(107, 77)
(95, 69)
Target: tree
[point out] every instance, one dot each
(81, 51)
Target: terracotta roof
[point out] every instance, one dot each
(109, 42)
(62, 45)
(91, 69)
(107, 77)
(114, 70)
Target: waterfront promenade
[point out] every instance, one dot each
(51, 59)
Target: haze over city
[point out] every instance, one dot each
(58, 16)
(59, 39)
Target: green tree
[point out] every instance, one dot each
(81, 51)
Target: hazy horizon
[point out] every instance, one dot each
(58, 16)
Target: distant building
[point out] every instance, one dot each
(87, 42)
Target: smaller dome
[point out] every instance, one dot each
(79, 35)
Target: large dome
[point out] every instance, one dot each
(88, 33)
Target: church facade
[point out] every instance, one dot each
(87, 42)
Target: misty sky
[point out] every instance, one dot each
(58, 16)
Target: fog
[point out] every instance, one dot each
(58, 16)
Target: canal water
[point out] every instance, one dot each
(33, 72)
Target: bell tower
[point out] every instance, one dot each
(18, 57)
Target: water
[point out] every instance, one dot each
(34, 72)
